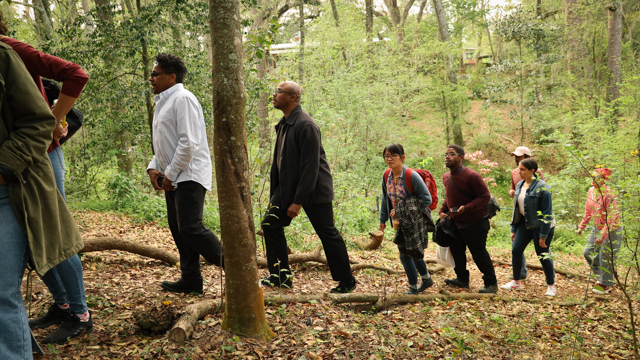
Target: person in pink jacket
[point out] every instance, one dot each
(606, 237)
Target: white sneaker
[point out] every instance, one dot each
(512, 285)
(551, 290)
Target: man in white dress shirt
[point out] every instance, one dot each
(181, 167)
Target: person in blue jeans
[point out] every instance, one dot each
(27, 198)
(65, 281)
(532, 220)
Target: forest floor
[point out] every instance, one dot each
(119, 284)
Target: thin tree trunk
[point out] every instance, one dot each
(146, 65)
(614, 54)
(442, 20)
(572, 22)
(337, 20)
(423, 4)
(301, 53)
(43, 22)
(86, 8)
(244, 310)
(369, 19)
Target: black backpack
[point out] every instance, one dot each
(74, 116)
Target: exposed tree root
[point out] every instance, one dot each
(184, 327)
(110, 243)
(375, 240)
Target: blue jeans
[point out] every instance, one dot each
(65, 280)
(599, 257)
(57, 162)
(522, 239)
(15, 337)
(523, 271)
(412, 266)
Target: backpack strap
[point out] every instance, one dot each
(385, 176)
(407, 178)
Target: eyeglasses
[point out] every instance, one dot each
(390, 157)
(156, 74)
(279, 91)
(450, 154)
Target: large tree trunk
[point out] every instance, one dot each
(244, 308)
(104, 10)
(614, 54)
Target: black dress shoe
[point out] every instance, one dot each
(345, 286)
(183, 286)
(275, 281)
(457, 282)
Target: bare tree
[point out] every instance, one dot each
(301, 53)
(398, 18)
(244, 310)
(369, 18)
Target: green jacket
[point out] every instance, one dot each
(26, 124)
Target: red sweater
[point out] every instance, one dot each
(473, 195)
(39, 64)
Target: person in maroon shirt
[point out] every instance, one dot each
(65, 280)
(465, 201)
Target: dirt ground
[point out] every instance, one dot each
(119, 285)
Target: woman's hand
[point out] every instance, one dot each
(580, 231)
(543, 243)
(513, 237)
(383, 226)
(393, 212)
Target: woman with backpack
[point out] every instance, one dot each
(532, 220)
(407, 202)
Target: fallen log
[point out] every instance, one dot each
(110, 243)
(566, 273)
(184, 327)
(375, 240)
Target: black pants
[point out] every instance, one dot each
(321, 217)
(184, 213)
(475, 238)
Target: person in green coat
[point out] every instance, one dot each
(28, 197)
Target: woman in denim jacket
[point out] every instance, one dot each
(532, 220)
(411, 236)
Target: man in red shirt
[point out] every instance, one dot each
(520, 153)
(465, 201)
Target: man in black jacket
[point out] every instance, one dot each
(300, 177)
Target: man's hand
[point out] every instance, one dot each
(383, 226)
(460, 211)
(153, 176)
(294, 210)
(442, 215)
(167, 185)
(60, 132)
(2, 182)
(513, 237)
(512, 193)
(543, 243)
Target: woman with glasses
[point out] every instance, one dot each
(606, 237)
(532, 220)
(410, 213)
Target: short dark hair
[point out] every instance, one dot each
(393, 149)
(459, 150)
(530, 164)
(172, 64)
(4, 30)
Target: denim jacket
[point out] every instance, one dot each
(538, 212)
